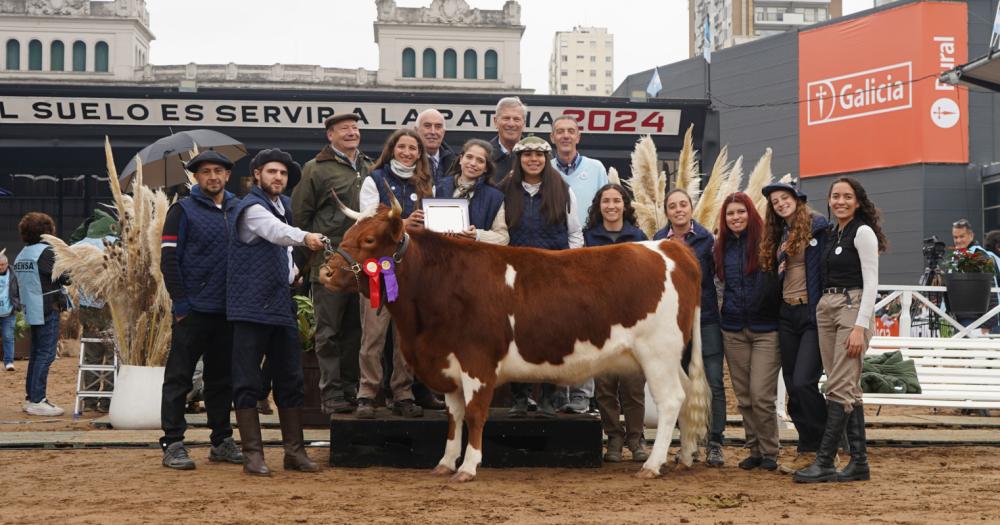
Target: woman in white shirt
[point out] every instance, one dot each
(844, 318)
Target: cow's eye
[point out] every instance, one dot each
(369, 241)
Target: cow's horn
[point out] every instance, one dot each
(351, 214)
(397, 210)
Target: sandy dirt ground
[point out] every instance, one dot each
(920, 485)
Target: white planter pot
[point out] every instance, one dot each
(135, 403)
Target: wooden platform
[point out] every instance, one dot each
(566, 441)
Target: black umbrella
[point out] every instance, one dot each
(163, 160)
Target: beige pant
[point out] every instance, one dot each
(617, 394)
(374, 329)
(835, 316)
(754, 362)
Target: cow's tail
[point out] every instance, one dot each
(697, 406)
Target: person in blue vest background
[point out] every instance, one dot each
(95, 319)
(404, 170)
(585, 177)
(259, 304)
(541, 213)
(10, 304)
(42, 298)
(611, 220)
(471, 178)
(193, 262)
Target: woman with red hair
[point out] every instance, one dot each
(750, 332)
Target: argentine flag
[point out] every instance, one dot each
(654, 86)
(706, 46)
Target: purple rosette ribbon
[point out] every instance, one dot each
(388, 268)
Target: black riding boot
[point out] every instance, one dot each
(248, 421)
(857, 468)
(823, 468)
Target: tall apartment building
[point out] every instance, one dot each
(733, 22)
(582, 62)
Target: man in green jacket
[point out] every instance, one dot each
(339, 167)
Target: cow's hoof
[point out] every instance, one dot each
(646, 474)
(462, 477)
(442, 470)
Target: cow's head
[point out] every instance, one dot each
(376, 233)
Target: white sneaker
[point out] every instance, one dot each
(9, 367)
(43, 408)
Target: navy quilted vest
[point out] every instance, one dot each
(257, 288)
(484, 205)
(533, 230)
(404, 190)
(202, 261)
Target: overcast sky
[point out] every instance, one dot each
(339, 33)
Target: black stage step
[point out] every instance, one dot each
(392, 441)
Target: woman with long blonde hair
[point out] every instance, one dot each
(793, 241)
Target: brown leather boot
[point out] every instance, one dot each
(248, 423)
(291, 435)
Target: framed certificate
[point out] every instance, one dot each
(446, 215)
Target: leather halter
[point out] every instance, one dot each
(354, 266)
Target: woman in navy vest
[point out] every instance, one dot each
(611, 220)
(402, 169)
(679, 210)
(42, 298)
(541, 213)
(845, 321)
(793, 241)
(471, 178)
(750, 335)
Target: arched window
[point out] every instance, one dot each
(34, 55)
(430, 63)
(13, 55)
(470, 65)
(101, 57)
(450, 63)
(79, 56)
(409, 63)
(57, 55)
(490, 68)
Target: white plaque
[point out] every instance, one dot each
(446, 215)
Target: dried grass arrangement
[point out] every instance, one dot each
(127, 274)
(649, 186)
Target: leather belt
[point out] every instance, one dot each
(838, 290)
(796, 301)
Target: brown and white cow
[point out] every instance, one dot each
(472, 316)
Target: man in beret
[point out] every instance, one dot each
(339, 168)
(259, 304)
(193, 260)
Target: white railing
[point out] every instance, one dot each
(906, 296)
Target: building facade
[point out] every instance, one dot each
(449, 46)
(733, 22)
(582, 62)
(74, 39)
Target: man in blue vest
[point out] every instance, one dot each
(193, 262)
(42, 297)
(10, 303)
(259, 304)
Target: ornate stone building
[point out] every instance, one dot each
(449, 46)
(446, 46)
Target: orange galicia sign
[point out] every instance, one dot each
(871, 98)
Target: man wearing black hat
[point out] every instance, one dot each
(339, 167)
(259, 304)
(193, 260)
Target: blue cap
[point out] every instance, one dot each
(783, 186)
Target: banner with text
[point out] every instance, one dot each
(311, 114)
(870, 95)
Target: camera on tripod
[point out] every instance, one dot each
(933, 251)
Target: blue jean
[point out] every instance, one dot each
(43, 351)
(712, 355)
(7, 332)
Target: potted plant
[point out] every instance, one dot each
(312, 413)
(127, 275)
(969, 275)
